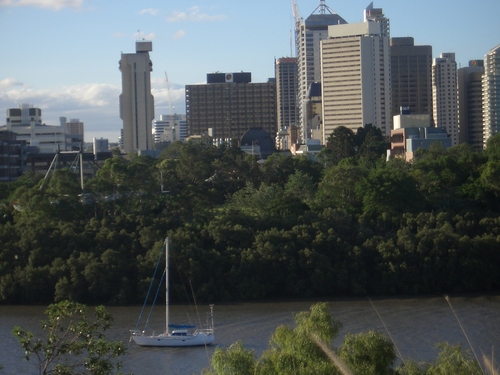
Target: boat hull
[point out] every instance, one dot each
(174, 341)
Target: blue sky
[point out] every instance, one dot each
(62, 55)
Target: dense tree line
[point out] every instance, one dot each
(350, 223)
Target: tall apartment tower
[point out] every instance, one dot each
(444, 95)
(286, 92)
(75, 127)
(229, 104)
(411, 76)
(136, 101)
(470, 104)
(308, 35)
(356, 81)
(491, 93)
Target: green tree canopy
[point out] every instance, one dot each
(74, 344)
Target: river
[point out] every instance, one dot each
(414, 324)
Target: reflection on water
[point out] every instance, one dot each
(415, 325)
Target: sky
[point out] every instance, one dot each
(62, 55)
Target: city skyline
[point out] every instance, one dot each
(62, 55)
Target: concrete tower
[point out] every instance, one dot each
(491, 93)
(308, 35)
(444, 95)
(136, 101)
(470, 105)
(356, 78)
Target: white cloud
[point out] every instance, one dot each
(95, 104)
(48, 4)
(9, 82)
(179, 34)
(194, 14)
(150, 11)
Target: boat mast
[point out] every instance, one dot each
(166, 284)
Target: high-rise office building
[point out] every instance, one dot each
(229, 104)
(444, 95)
(286, 92)
(356, 78)
(411, 77)
(470, 104)
(74, 127)
(491, 93)
(308, 35)
(136, 101)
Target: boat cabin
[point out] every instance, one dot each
(179, 332)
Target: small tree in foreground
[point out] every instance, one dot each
(74, 344)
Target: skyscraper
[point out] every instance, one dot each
(411, 77)
(356, 78)
(229, 104)
(74, 127)
(136, 101)
(491, 93)
(470, 105)
(308, 35)
(286, 91)
(444, 95)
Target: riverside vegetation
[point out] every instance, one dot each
(306, 350)
(349, 224)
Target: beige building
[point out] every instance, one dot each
(136, 101)
(444, 95)
(491, 94)
(75, 127)
(355, 79)
(412, 121)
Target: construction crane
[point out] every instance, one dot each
(295, 11)
(172, 120)
(298, 21)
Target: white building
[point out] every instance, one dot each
(170, 128)
(356, 80)
(26, 122)
(491, 93)
(444, 95)
(308, 35)
(136, 101)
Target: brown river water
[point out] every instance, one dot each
(415, 325)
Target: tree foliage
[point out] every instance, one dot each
(290, 227)
(307, 349)
(73, 343)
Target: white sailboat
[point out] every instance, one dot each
(181, 335)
